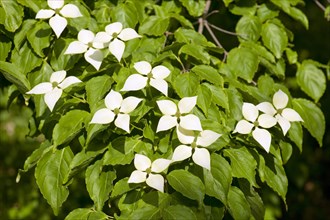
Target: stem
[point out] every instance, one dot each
(183, 67)
(214, 37)
(75, 97)
(202, 19)
(223, 30)
(319, 4)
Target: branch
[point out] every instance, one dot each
(319, 4)
(213, 36)
(205, 14)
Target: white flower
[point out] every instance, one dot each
(53, 89)
(174, 113)
(253, 120)
(283, 115)
(154, 76)
(116, 106)
(86, 44)
(145, 171)
(61, 11)
(200, 156)
(115, 36)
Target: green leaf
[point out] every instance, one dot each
(235, 102)
(274, 38)
(291, 55)
(219, 96)
(195, 8)
(39, 37)
(178, 212)
(260, 50)
(313, 117)
(14, 14)
(249, 28)
(121, 151)
(242, 163)
(266, 12)
(272, 172)
(243, 63)
(34, 5)
(14, 75)
(154, 26)
(218, 180)
(185, 84)
(253, 198)
(69, 126)
(5, 47)
(125, 13)
(296, 134)
(50, 172)
(204, 98)
(147, 212)
(286, 151)
(208, 73)
(99, 183)
(122, 187)
(96, 88)
(196, 51)
(190, 36)
(311, 80)
(22, 33)
(86, 214)
(238, 206)
(187, 184)
(25, 59)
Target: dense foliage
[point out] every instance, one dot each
(156, 119)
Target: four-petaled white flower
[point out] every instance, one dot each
(53, 89)
(283, 115)
(148, 172)
(61, 11)
(178, 114)
(116, 106)
(253, 120)
(87, 45)
(190, 143)
(115, 36)
(154, 76)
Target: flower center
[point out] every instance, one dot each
(279, 111)
(177, 114)
(149, 75)
(115, 35)
(193, 145)
(54, 84)
(57, 11)
(148, 171)
(116, 111)
(256, 124)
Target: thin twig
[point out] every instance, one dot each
(213, 36)
(319, 4)
(222, 30)
(201, 19)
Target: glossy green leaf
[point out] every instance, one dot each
(311, 80)
(14, 14)
(99, 183)
(249, 28)
(185, 84)
(295, 134)
(86, 214)
(219, 96)
(187, 184)
(242, 163)
(196, 51)
(195, 8)
(260, 50)
(178, 212)
(50, 172)
(5, 47)
(39, 37)
(22, 32)
(243, 63)
(121, 151)
(59, 60)
(208, 73)
(14, 75)
(291, 55)
(69, 126)
(238, 206)
(125, 13)
(286, 151)
(34, 5)
(189, 36)
(218, 180)
(154, 26)
(274, 38)
(147, 212)
(265, 12)
(313, 117)
(204, 98)
(122, 187)
(96, 88)
(25, 59)
(272, 172)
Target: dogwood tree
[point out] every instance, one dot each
(200, 128)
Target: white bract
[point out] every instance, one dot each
(283, 115)
(148, 172)
(116, 106)
(253, 120)
(178, 114)
(86, 44)
(198, 144)
(154, 76)
(114, 37)
(53, 89)
(57, 15)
